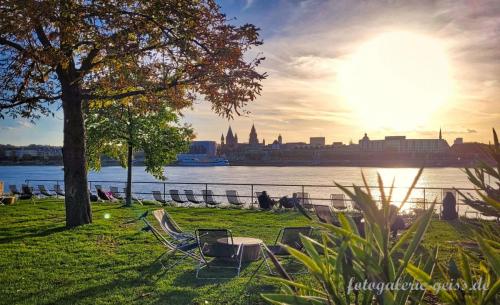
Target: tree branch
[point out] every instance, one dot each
(11, 44)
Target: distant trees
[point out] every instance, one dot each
(63, 53)
(120, 128)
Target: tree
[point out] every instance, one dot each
(120, 128)
(61, 53)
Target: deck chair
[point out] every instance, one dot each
(208, 197)
(13, 190)
(174, 194)
(325, 215)
(185, 250)
(159, 197)
(114, 191)
(338, 201)
(103, 195)
(192, 197)
(43, 191)
(217, 245)
(233, 198)
(169, 226)
(289, 236)
(280, 270)
(305, 200)
(27, 193)
(134, 198)
(58, 190)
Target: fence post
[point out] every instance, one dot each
(164, 192)
(424, 199)
(303, 200)
(251, 194)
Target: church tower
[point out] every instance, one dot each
(222, 140)
(253, 140)
(280, 139)
(440, 134)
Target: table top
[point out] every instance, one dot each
(246, 241)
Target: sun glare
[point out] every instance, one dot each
(396, 80)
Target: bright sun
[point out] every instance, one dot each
(396, 80)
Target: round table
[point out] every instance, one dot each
(251, 246)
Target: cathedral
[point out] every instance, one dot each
(230, 141)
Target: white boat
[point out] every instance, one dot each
(200, 160)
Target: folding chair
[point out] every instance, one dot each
(338, 201)
(208, 197)
(58, 190)
(192, 197)
(159, 197)
(168, 224)
(114, 191)
(233, 198)
(216, 245)
(174, 194)
(289, 236)
(13, 190)
(324, 214)
(185, 250)
(43, 191)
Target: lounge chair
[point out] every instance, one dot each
(27, 193)
(169, 226)
(43, 191)
(217, 245)
(134, 198)
(174, 194)
(208, 197)
(305, 200)
(103, 195)
(58, 190)
(13, 190)
(116, 194)
(324, 214)
(159, 197)
(192, 197)
(185, 250)
(233, 198)
(338, 201)
(289, 236)
(280, 270)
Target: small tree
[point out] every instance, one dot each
(120, 128)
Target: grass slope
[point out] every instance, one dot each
(112, 261)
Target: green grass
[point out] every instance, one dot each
(112, 261)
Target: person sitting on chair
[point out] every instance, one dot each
(265, 202)
(289, 203)
(398, 222)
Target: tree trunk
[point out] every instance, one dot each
(129, 176)
(78, 211)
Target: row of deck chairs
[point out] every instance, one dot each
(208, 197)
(203, 246)
(28, 192)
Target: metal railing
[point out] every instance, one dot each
(315, 192)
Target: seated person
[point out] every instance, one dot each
(289, 203)
(265, 202)
(398, 222)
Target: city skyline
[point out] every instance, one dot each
(306, 53)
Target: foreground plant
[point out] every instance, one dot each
(347, 259)
(475, 275)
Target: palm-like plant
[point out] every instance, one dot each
(346, 256)
(476, 274)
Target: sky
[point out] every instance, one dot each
(323, 79)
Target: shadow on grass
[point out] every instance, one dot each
(34, 232)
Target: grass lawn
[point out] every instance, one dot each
(112, 261)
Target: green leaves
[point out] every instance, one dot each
(346, 255)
